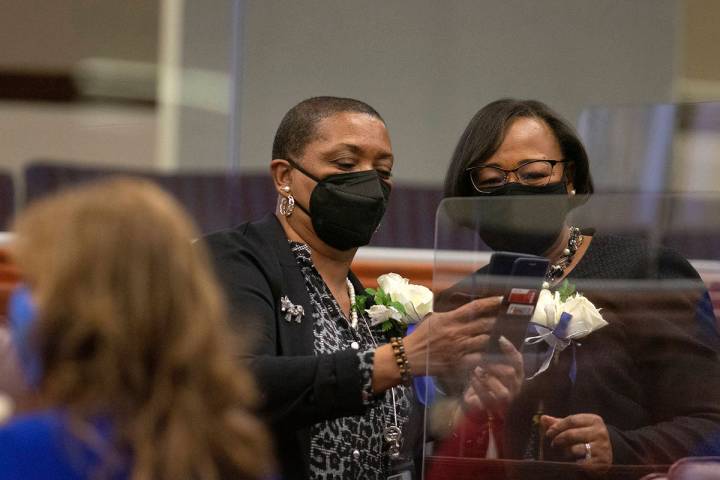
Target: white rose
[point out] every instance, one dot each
(380, 313)
(392, 282)
(417, 300)
(546, 310)
(586, 318)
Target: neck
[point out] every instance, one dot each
(332, 264)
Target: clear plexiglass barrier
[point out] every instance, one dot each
(599, 362)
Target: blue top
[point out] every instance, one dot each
(40, 446)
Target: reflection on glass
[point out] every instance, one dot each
(618, 369)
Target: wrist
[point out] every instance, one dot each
(416, 353)
(385, 372)
(401, 360)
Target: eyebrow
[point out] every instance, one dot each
(519, 164)
(356, 150)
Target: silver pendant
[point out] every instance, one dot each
(393, 440)
(293, 313)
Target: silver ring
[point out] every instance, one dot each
(588, 452)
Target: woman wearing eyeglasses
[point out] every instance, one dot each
(644, 389)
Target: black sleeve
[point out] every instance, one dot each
(675, 341)
(296, 390)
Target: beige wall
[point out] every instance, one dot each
(56, 34)
(428, 65)
(701, 59)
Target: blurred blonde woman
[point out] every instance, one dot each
(120, 328)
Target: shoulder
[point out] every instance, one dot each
(256, 245)
(250, 236)
(618, 247)
(32, 445)
(26, 429)
(627, 257)
(249, 259)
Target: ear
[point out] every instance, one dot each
(570, 176)
(280, 170)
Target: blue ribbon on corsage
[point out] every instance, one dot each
(423, 385)
(558, 340)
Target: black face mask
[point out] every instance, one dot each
(346, 208)
(524, 226)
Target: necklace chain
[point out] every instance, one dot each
(556, 269)
(354, 324)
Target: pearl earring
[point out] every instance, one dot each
(286, 188)
(572, 192)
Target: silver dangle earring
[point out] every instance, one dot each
(287, 204)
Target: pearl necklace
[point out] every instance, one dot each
(392, 434)
(353, 312)
(556, 270)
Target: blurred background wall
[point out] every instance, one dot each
(202, 85)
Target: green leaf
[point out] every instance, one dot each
(381, 298)
(371, 291)
(566, 290)
(399, 307)
(360, 302)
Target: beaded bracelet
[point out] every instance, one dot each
(401, 359)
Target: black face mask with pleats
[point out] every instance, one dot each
(523, 225)
(346, 208)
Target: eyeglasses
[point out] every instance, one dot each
(536, 173)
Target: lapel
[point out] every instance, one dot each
(294, 339)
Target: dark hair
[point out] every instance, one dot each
(486, 132)
(299, 125)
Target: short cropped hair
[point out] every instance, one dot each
(486, 132)
(299, 125)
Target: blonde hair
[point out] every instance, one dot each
(132, 326)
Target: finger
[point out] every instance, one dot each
(572, 421)
(474, 344)
(471, 400)
(469, 361)
(500, 370)
(506, 374)
(476, 309)
(599, 454)
(514, 358)
(547, 421)
(477, 385)
(574, 435)
(480, 326)
(579, 452)
(483, 390)
(497, 391)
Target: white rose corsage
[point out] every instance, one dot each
(397, 303)
(560, 319)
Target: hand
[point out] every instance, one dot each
(573, 432)
(494, 385)
(458, 338)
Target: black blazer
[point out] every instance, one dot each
(256, 266)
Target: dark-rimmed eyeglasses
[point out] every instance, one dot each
(536, 173)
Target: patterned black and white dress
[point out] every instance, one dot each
(349, 447)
